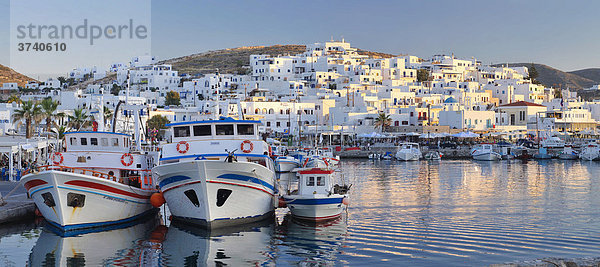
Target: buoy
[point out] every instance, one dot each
(346, 201)
(281, 203)
(157, 200)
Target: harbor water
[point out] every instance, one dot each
(446, 213)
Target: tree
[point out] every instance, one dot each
(533, 74)
(31, 113)
(62, 79)
(115, 89)
(156, 123)
(107, 113)
(172, 99)
(557, 93)
(383, 121)
(49, 107)
(15, 99)
(60, 131)
(79, 119)
(422, 75)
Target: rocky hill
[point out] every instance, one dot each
(552, 77)
(234, 60)
(8, 75)
(592, 74)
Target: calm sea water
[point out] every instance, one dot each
(450, 213)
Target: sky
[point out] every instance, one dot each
(562, 34)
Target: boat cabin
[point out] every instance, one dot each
(314, 181)
(97, 141)
(409, 146)
(214, 130)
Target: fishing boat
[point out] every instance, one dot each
(317, 198)
(590, 151)
(568, 153)
(433, 155)
(217, 173)
(485, 152)
(99, 180)
(542, 154)
(286, 163)
(409, 152)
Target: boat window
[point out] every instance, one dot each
(202, 130)
(310, 181)
(224, 129)
(182, 131)
(115, 141)
(84, 141)
(320, 181)
(94, 141)
(245, 129)
(104, 141)
(73, 141)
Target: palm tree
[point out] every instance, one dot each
(79, 119)
(15, 99)
(31, 113)
(383, 121)
(49, 107)
(60, 131)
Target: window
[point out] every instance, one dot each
(115, 141)
(73, 141)
(94, 141)
(320, 181)
(310, 181)
(104, 141)
(84, 141)
(182, 131)
(224, 129)
(245, 129)
(202, 130)
(268, 124)
(278, 124)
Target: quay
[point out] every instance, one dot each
(449, 153)
(18, 207)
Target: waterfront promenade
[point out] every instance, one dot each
(18, 206)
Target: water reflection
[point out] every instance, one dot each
(123, 247)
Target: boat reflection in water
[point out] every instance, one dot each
(305, 243)
(248, 244)
(122, 245)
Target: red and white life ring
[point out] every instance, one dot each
(185, 149)
(57, 158)
(243, 146)
(129, 159)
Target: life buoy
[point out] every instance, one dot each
(243, 146)
(57, 158)
(129, 161)
(183, 150)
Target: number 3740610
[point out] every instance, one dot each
(42, 47)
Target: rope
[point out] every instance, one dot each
(2, 201)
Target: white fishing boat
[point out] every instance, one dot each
(568, 153)
(286, 163)
(97, 181)
(217, 173)
(485, 152)
(433, 155)
(317, 197)
(327, 154)
(590, 151)
(409, 152)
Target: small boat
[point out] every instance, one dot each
(568, 153)
(327, 154)
(591, 151)
(98, 180)
(317, 198)
(206, 183)
(387, 156)
(523, 154)
(286, 163)
(374, 156)
(542, 154)
(485, 152)
(409, 152)
(433, 155)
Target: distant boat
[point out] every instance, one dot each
(433, 155)
(542, 154)
(568, 153)
(409, 152)
(286, 163)
(485, 152)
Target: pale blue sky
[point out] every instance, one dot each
(562, 34)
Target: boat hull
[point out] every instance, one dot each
(487, 156)
(315, 207)
(71, 201)
(407, 156)
(217, 194)
(286, 164)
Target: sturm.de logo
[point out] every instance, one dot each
(84, 31)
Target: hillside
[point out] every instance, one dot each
(592, 74)
(234, 60)
(549, 76)
(8, 75)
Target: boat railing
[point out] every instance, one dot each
(73, 170)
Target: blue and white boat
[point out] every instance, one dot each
(286, 163)
(217, 173)
(317, 198)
